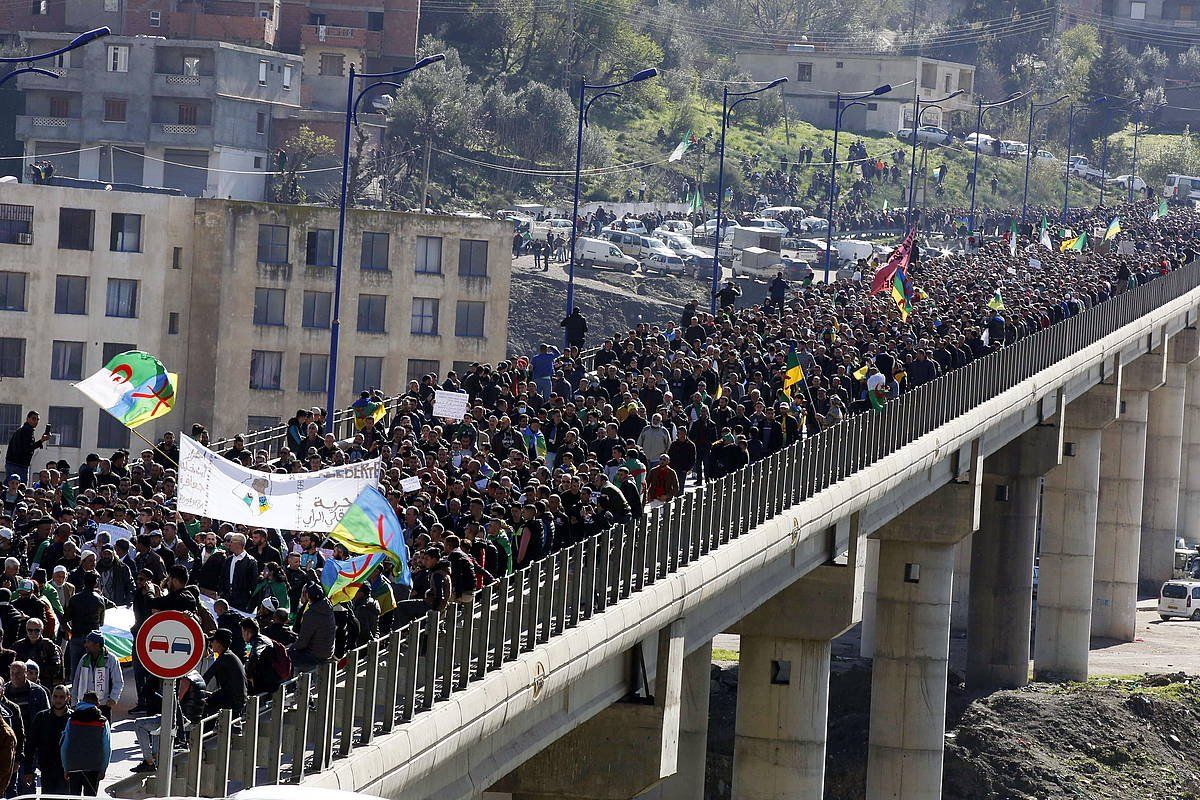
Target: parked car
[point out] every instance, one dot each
(773, 212)
(1045, 156)
(591, 253)
(680, 226)
(814, 224)
(540, 230)
(1179, 599)
(1123, 181)
(1079, 167)
(1181, 187)
(665, 264)
(983, 142)
(929, 134)
(682, 246)
(1010, 148)
(768, 224)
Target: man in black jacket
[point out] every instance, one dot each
(239, 575)
(19, 455)
(42, 745)
(83, 614)
(229, 675)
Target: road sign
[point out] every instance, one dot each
(170, 644)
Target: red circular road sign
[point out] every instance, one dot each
(170, 644)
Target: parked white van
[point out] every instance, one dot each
(1179, 599)
(591, 253)
(639, 246)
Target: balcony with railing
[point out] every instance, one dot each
(41, 126)
(177, 85)
(182, 134)
(340, 36)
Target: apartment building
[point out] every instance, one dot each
(193, 115)
(237, 298)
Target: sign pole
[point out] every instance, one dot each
(166, 738)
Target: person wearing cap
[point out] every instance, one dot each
(99, 673)
(226, 675)
(663, 481)
(58, 592)
(86, 747)
(36, 648)
(31, 603)
(42, 741)
(115, 582)
(317, 634)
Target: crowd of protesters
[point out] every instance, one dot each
(556, 447)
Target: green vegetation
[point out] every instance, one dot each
(720, 654)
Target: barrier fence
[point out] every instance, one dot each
(321, 716)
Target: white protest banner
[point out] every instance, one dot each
(410, 484)
(451, 405)
(215, 487)
(114, 531)
(1035, 264)
(1125, 247)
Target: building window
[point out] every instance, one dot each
(374, 250)
(125, 235)
(1137, 10)
(258, 162)
(273, 244)
(16, 224)
(63, 60)
(839, 65)
(191, 66)
(429, 255)
(318, 248)
(314, 369)
(317, 306)
(928, 76)
(67, 422)
(425, 316)
(113, 349)
(947, 85)
(265, 369)
(372, 313)
(155, 19)
(468, 320)
(38, 8)
(316, 19)
(75, 228)
(70, 294)
(12, 358)
(872, 106)
(262, 72)
(186, 114)
(804, 73)
(10, 420)
(12, 291)
(111, 433)
(173, 323)
(66, 361)
(374, 20)
(420, 367)
(118, 58)
(472, 258)
(114, 110)
(287, 76)
(60, 107)
(122, 298)
(331, 64)
(260, 123)
(368, 373)
(268, 306)
(176, 258)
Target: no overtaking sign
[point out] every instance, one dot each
(170, 644)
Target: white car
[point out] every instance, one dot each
(814, 224)
(1045, 156)
(632, 224)
(711, 225)
(982, 141)
(1123, 181)
(665, 265)
(1010, 148)
(682, 246)
(774, 212)
(542, 230)
(768, 225)
(1179, 599)
(591, 253)
(680, 226)
(929, 134)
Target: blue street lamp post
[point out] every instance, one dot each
(855, 100)
(1033, 109)
(606, 90)
(352, 100)
(919, 109)
(1070, 140)
(726, 110)
(82, 39)
(1137, 124)
(983, 106)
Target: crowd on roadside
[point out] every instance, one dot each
(557, 446)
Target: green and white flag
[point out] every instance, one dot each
(696, 202)
(1012, 238)
(1160, 212)
(682, 147)
(1044, 236)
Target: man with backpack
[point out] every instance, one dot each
(466, 577)
(267, 661)
(432, 588)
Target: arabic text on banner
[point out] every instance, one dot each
(215, 487)
(451, 405)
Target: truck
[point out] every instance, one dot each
(760, 239)
(1079, 167)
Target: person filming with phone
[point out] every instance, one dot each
(22, 445)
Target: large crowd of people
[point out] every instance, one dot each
(556, 447)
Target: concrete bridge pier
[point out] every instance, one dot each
(912, 643)
(688, 781)
(1164, 449)
(783, 683)
(1001, 607)
(1068, 546)
(1122, 484)
(866, 639)
(1188, 524)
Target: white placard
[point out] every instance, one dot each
(215, 487)
(114, 532)
(1125, 247)
(410, 484)
(451, 405)
(1035, 264)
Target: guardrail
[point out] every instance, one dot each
(304, 727)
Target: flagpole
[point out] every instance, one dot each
(153, 446)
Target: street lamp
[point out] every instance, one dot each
(606, 90)
(86, 37)
(984, 106)
(912, 167)
(726, 110)
(352, 101)
(855, 100)
(1067, 164)
(1033, 109)
(1137, 124)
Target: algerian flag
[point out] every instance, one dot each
(1012, 239)
(997, 302)
(682, 147)
(885, 204)
(696, 202)
(1044, 236)
(1161, 212)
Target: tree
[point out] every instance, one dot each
(1180, 155)
(439, 103)
(296, 154)
(1189, 63)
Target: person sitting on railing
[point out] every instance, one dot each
(190, 700)
(435, 588)
(317, 632)
(226, 674)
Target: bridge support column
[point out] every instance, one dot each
(783, 684)
(912, 643)
(1189, 487)
(960, 606)
(866, 642)
(1068, 546)
(688, 781)
(1002, 559)
(1119, 517)
(1164, 446)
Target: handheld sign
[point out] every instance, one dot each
(170, 644)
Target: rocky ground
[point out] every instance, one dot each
(1109, 739)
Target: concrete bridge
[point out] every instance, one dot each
(587, 675)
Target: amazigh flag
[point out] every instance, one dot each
(861, 373)
(1113, 229)
(367, 412)
(341, 579)
(370, 525)
(1075, 244)
(897, 260)
(902, 293)
(997, 302)
(1161, 212)
(1044, 235)
(134, 387)
(794, 372)
(1012, 238)
(682, 147)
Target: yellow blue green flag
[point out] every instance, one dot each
(1113, 229)
(341, 579)
(370, 526)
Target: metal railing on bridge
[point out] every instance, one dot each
(318, 717)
